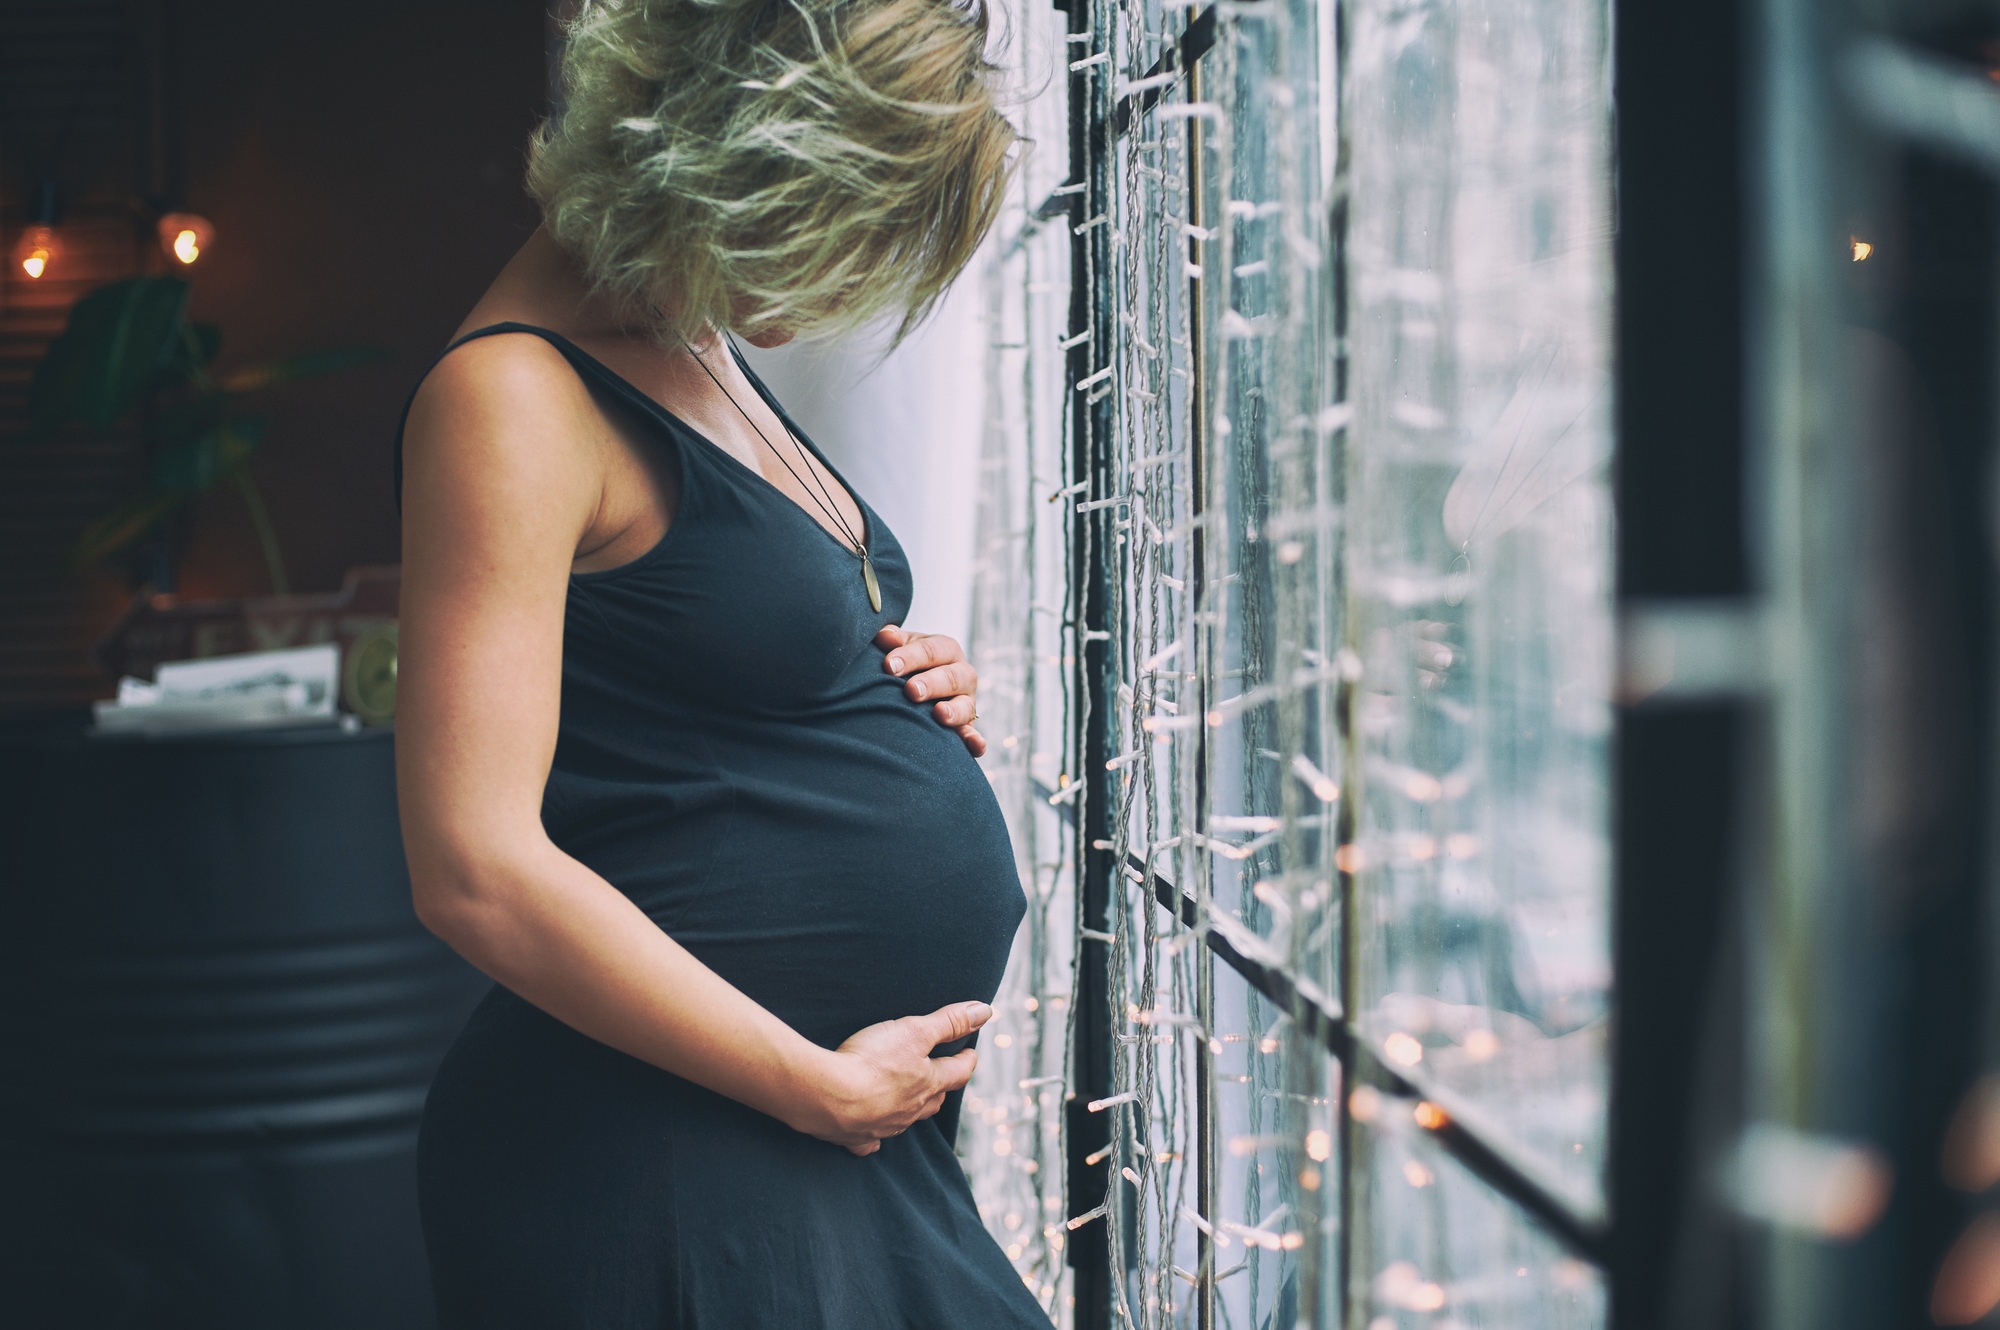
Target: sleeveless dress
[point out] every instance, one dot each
(733, 757)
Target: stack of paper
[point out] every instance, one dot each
(257, 688)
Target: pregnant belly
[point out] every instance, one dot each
(838, 904)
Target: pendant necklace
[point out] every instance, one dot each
(810, 482)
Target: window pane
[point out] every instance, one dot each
(1347, 452)
(1276, 1091)
(1447, 1251)
(1010, 1136)
(1479, 556)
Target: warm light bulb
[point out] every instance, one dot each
(185, 237)
(1862, 249)
(36, 252)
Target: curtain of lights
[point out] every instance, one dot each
(1293, 620)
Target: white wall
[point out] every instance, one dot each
(905, 434)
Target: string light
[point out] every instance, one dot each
(38, 250)
(35, 252)
(1203, 692)
(1405, 1050)
(185, 237)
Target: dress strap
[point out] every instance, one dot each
(582, 361)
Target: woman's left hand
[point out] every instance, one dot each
(934, 669)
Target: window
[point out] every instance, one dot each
(1295, 624)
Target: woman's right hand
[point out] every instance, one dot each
(884, 1077)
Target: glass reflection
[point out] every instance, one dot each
(1448, 1254)
(1479, 561)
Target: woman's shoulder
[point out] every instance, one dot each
(505, 408)
(502, 369)
(502, 384)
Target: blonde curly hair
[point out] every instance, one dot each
(774, 165)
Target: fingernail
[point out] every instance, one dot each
(980, 1011)
(895, 662)
(919, 692)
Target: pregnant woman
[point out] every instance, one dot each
(671, 773)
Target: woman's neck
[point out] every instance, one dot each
(542, 286)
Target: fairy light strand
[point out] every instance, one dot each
(1183, 633)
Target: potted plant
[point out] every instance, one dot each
(129, 350)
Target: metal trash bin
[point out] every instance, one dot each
(219, 1017)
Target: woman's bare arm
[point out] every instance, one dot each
(502, 479)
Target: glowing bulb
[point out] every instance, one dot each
(36, 252)
(1862, 249)
(185, 237)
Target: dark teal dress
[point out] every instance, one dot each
(734, 758)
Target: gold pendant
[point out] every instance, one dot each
(868, 580)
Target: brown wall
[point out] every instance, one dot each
(361, 163)
(70, 75)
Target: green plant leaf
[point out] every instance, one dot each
(308, 366)
(122, 526)
(181, 470)
(110, 354)
(194, 351)
(189, 466)
(180, 421)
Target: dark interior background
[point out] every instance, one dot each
(361, 163)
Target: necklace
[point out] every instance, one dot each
(810, 482)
